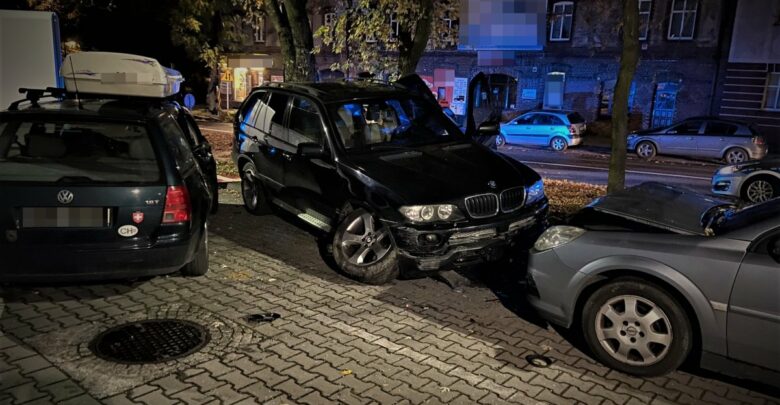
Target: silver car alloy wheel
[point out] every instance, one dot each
(736, 156)
(558, 144)
(760, 191)
(365, 242)
(645, 150)
(633, 330)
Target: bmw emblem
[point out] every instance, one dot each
(492, 184)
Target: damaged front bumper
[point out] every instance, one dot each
(436, 248)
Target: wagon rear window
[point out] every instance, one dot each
(72, 151)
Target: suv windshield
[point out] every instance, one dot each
(364, 125)
(73, 151)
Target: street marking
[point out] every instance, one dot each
(627, 171)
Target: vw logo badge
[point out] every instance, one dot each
(65, 197)
(492, 184)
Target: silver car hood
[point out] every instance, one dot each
(676, 209)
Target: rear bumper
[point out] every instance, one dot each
(40, 263)
(469, 246)
(575, 140)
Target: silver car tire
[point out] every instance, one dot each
(636, 327)
(558, 144)
(646, 150)
(760, 189)
(735, 155)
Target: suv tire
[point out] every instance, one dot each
(558, 144)
(364, 250)
(252, 191)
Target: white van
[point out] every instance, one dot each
(30, 53)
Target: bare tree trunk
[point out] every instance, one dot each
(291, 22)
(412, 44)
(628, 62)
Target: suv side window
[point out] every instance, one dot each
(177, 142)
(305, 123)
(246, 115)
(555, 120)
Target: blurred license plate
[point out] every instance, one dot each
(65, 217)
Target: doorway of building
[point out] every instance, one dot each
(504, 89)
(665, 104)
(553, 90)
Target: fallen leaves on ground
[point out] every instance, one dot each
(567, 197)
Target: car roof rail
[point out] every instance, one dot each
(34, 95)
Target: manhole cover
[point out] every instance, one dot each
(150, 341)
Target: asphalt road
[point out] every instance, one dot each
(589, 164)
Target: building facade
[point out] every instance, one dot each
(697, 57)
(749, 85)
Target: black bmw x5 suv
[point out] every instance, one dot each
(385, 176)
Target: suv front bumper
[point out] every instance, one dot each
(444, 248)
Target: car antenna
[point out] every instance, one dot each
(75, 84)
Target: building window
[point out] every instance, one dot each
(394, 26)
(772, 94)
(562, 16)
(682, 22)
(260, 30)
(329, 19)
(447, 36)
(645, 8)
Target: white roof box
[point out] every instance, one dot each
(119, 74)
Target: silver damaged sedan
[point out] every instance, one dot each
(654, 274)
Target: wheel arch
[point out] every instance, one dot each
(650, 140)
(708, 334)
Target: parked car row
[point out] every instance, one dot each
(121, 187)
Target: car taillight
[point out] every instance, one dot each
(758, 140)
(177, 205)
(572, 130)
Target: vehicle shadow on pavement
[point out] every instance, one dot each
(483, 326)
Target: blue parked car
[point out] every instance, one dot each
(557, 129)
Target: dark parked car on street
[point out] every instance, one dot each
(653, 275)
(701, 137)
(102, 188)
(754, 181)
(384, 175)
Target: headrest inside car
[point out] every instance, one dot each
(45, 146)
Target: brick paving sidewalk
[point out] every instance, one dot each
(414, 341)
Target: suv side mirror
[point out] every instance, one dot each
(489, 128)
(311, 150)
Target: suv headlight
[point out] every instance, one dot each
(557, 236)
(431, 213)
(534, 193)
